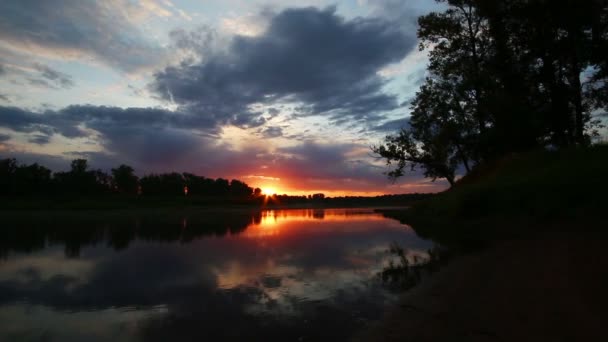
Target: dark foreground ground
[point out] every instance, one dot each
(538, 271)
(550, 288)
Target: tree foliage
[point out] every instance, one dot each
(35, 179)
(504, 76)
(124, 179)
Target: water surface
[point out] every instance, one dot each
(299, 275)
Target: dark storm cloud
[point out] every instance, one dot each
(4, 137)
(163, 147)
(306, 55)
(56, 78)
(72, 27)
(20, 120)
(149, 136)
(272, 132)
(40, 139)
(110, 121)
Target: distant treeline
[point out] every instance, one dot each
(350, 201)
(21, 180)
(36, 179)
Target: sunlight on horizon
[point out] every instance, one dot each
(269, 191)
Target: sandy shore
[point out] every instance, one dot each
(552, 288)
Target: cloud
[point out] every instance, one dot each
(392, 126)
(157, 140)
(272, 132)
(57, 78)
(336, 163)
(308, 56)
(40, 139)
(4, 137)
(190, 46)
(403, 13)
(146, 136)
(103, 30)
(71, 121)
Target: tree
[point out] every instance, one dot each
(240, 189)
(171, 184)
(79, 166)
(543, 49)
(32, 179)
(407, 151)
(448, 119)
(7, 174)
(504, 76)
(23, 179)
(318, 196)
(124, 179)
(80, 180)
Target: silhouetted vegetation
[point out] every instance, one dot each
(125, 180)
(35, 179)
(505, 77)
(404, 271)
(36, 187)
(518, 195)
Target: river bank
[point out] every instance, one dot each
(547, 288)
(529, 236)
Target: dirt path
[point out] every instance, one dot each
(553, 288)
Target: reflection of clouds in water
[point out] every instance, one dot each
(250, 280)
(115, 325)
(44, 266)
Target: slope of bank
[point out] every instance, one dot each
(517, 196)
(538, 272)
(547, 288)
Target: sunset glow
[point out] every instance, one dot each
(269, 191)
(205, 89)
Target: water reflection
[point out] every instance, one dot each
(272, 275)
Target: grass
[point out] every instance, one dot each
(518, 195)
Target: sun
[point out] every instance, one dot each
(269, 191)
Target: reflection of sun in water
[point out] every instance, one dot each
(269, 191)
(269, 220)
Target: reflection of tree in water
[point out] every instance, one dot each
(195, 306)
(405, 271)
(75, 232)
(318, 214)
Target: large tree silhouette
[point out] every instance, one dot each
(504, 76)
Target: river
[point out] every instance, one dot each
(275, 275)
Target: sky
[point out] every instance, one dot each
(288, 95)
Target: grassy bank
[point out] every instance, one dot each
(518, 195)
